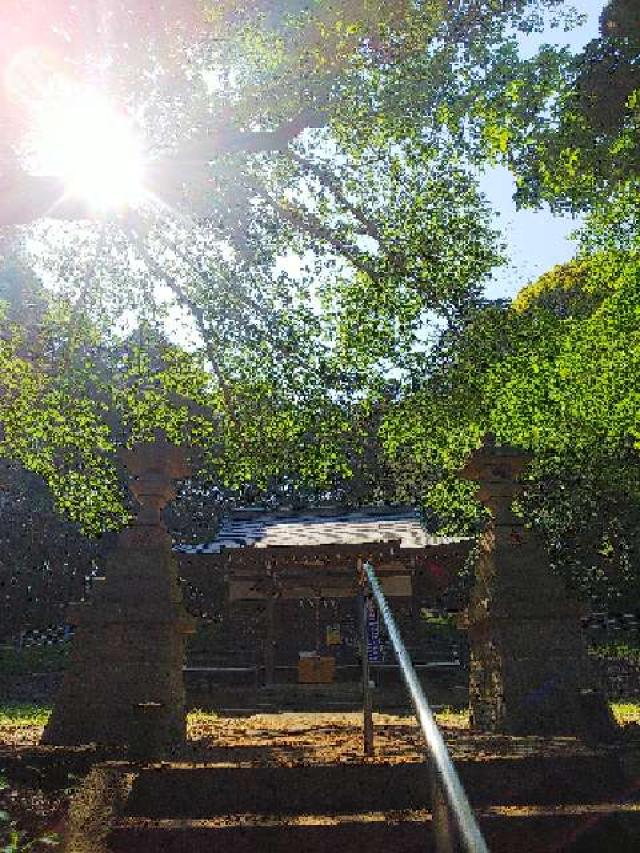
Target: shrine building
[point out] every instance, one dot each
(277, 593)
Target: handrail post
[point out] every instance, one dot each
(448, 787)
(367, 701)
(446, 836)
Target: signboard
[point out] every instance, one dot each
(256, 587)
(333, 635)
(374, 652)
(396, 586)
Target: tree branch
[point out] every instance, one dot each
(245, 299)
(232, 140)
(328, 180)
(198, 316)
(307, 222)
(25, 198)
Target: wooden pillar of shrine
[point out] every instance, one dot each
(127, 656)
(270, 642)
(529, 669)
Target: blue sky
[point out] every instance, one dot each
(536, 240)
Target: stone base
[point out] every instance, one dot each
(533, 677)
(114, 669)
(530, 673)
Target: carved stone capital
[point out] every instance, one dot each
(153, 468)
(496, 470)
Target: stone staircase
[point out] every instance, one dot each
(572, 803)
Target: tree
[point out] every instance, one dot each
(555, 373)
(569, 132)
(272, 72)
(318, 209)
(46, 422)
(246, 119)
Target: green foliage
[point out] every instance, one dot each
(557, 374)
(59, 436)
(629, 651)
(24, 715)
(336, 238)
(584, 145)
(573, 289)
(16, 841)
(25, 661)
(626, 713)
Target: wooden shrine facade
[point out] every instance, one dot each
(268, 606)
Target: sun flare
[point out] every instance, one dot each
(93, 148)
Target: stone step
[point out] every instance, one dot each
(286, 691)
(592, 828)
(205, 791)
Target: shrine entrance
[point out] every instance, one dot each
(306, 604)
(289, 614)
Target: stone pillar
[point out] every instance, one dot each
(128, 649)
(529, 670)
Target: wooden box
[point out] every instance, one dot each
(316, 670)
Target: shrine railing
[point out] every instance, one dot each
(449, 797)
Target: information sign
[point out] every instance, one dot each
(374, 652)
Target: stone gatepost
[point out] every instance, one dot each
(124, 686)
(529, 671)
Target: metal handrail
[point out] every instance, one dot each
(446, 772)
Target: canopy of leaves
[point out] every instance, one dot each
(312, 224)
(556, 373)
(581, 142)
(295, 263)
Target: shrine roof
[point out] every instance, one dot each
(255, 529)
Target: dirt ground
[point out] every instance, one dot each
(328, 738)
(301, 738)
(283, 739)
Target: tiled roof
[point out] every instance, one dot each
(308, 528)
